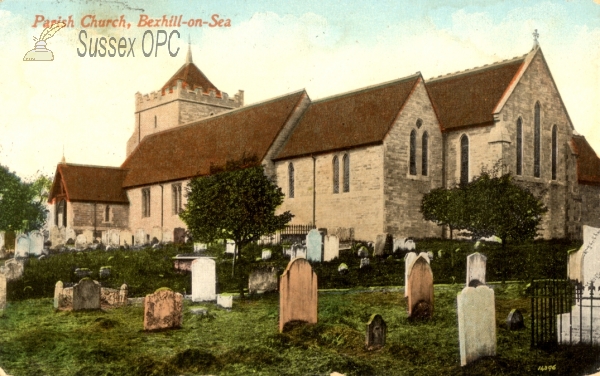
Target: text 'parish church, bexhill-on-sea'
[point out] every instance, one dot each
(360, 160)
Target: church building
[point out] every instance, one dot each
(359, 161)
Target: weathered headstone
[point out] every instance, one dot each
(380, 242)
(430, 255)
(167, 236)
(204, 279)
(343, 268)
(22, 246)
(476, 263)
(266, 254)
(376, 332)
(363, 251)
(409, 259)
(263, 279)
(410, 245)
(2, 291)
(36, 243)
(364, 262)
(178, 235)
(89, 235)
(398, 244)
(163, 310)
(1, 239)
(297, 294)
(125, 238)
(80, 241)
(314, 246)
(114, 237)
(55, 237)
(70, 234)
(58, 290)
(420, 289)
(225, 301)
(86, 295)
(515, 321)
(230, 247)
(331, 247)
(13, 269)
(299, 251)
(105, 238)
(476, 323)
(140, 237)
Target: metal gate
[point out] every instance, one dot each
(549, 298)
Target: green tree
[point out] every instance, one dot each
(237, 202)
(445, 207)
(22, 205)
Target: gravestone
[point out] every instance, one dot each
(476, 264)
(125, 238)
(13, 269)
(263, 279)
(157, 233)
(36, 243)
(22, 246)
(376, 332)
(314, 246)
(410, 245)
(163, 310)
(140, 237)
(104, 237)
(70, 234)
(343, 268)
(364, 262)
(363, 251)
(299, 252)
(515, 321)
(476, 323)
(114, 236)
(2, 291)
(80, 241)
(331, 247)
(230, 247)
(179, 235)
(204, 279)
(58, 290)
(420, 288)
(89, 235)
(297, 293)
(86, 295)
(167, 236)
(200, 247)
(398, 244)
(380, 245)
(225, 301)
(266, 254)
(1, 239)
(409, 259)
(430, 255)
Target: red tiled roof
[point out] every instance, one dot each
(192, 77)
(90, 183)
(348, 120)
(469, 98)
(588, 163)
(189, 151)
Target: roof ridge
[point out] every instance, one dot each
(367, 88)
(478, 69)
(92, 166)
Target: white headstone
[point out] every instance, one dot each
(331, 247)
(125, 238)
(1, 239)
(398, 244)
(70, 234)
(114, 237)
(36, 243)
(266, 254)
(476, 310)
(314, 245)
(410, 245)
(409, 259)
(140, 237)
(58, 289)
(55, 237)
(198, 247)
(105, 238)
(300, 252)
(80, 241)
(230, 246)
(225, 301)
(590, 256)
(476, 263)
(22, 246)
(204, 279)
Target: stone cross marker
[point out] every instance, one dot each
(420, 288)
(297, 293)
(331, 247)
(376, 332)
(514, 321)
(476, 323)
(22, 248)
(86, 295)
(476, 263)
(204, 279)
(2, 291)
(36, 243)
(163, 310)
(314, 245)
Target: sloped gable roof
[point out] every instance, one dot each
(469, 98)
(353, 119)
(588, 163)
(190, 150)
(89, 183)
(192, 77)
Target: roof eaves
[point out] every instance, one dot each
(321, 152)
(513, 84)
(412, 90)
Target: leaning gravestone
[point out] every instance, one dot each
(36, 243)
(297, 293)
(380, 245)
(80, 241)
(376, 332)
(420, 288)
(409, 259)
(515, 321)
(204, 279)
(476, 323)
(163, 310)
(314, 244)
(476, 263)
(263, 279)
(2, 291)
(86, 295)
(13, 269)
(22, 248)
(331, 247)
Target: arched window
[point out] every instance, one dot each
(107, 214)
(413, 153)
(291, 180)
(346, 162)
(464, 159)
(519, 146)
(554, 150)
(61, 214)
(424, 151)
(537, 140)
(336, 175)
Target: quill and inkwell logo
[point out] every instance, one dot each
(40, 52)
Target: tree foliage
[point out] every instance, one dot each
(486, 206)
(22, 204)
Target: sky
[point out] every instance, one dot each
(85, 105)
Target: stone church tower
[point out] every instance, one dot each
(187, 96)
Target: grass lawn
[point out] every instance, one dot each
(36, 340)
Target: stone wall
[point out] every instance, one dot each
(84, 216)
(403, 192)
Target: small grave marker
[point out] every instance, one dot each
(163, 310)
(376, 332)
